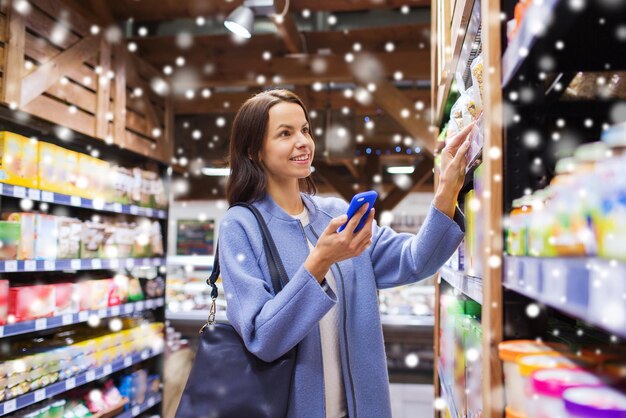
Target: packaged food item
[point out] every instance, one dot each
(68, 239)
(94, 294)
(31, 302)
(46, 233)
(50, 175)
(476, 69)
(65, 301)
(71, 176)
(509, 352)
(4, 302)
(92, 239)
(541, 228)
(9, 240)
(517, 230)
(136, 185)
(154, 288)
(26, 221)
(602, 402)
(18, 160)
(134, 290)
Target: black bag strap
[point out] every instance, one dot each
(277, 269)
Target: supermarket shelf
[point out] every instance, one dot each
(78, 380)
(190, 260)
(447, 393)
(80, 202)
(76, 318)
(588, 289)
(470, 286)
(194, 316)
(9, 266)
(139, 409)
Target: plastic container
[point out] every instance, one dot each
(595, 403)
(527, 365)
(509, 352)
(517, 234)
(512, 413)
(615, 138)
(548, 386)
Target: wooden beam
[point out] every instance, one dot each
(135, 79)
(119, 118)
(287, 28)
(402, 111)
(167, 143)
(49, 73)
(103, 98)
(422, 173)
(13, 56)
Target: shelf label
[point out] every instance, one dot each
(114, 263)
(70, 383)
(49, 265)
(76, 201)
(130, 262)
(34, 194)
(1, 331)
(151, 402)
(67, 319)
(145, 262)
(19, 191)
(139, 305)
(47, 196)
(149, 304)
(150, 212)
(10, 265)
(30, 265)
(134, 210)
(102, 313)
(9, 406)
(136, 410)
(96, 264)
(40, 395)
(128, 361)
(90, 376)
(129, 308)
(41, 323)
(108, 369)
(115, 310)
(83, 316)
(145, 354)
(117, 207)
(159, 302)
(1, 188)
(75, 264)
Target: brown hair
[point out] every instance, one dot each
(248, 181)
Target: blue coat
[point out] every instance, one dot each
(271, 325)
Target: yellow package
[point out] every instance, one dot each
(49, 172)
(18, 160)
(101, 172)
(70, 167)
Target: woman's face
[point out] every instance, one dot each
(288, 148)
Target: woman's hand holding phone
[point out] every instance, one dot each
(333, 246)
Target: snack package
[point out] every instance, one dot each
(156, 239)
(49, 167)
(134, 290)
(46, 234)
(92, 239)
(26, 250)
(477, 75)
(10, 239)
(31, 302)
(65, 302)
(18, 160)
(136, 188)
(68, 239)
(72, 175)
(456, 114)
(4, 304)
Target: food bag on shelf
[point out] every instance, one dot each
(476, 70)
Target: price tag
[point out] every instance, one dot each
(130, 262)
(49, 265)
(34, 194)
(40, 395)
(10, 265)
(145, 262)
(129, 308)
(96, 264)
(108, 369)
(102, 313)
(114, 263)
(70, 383)
(151, 402)
(149, 212)
(75, 264)
(83, 316)
(134, 210)
(76, 201)
(9, 406)
(156, 262)
(117, 207)
(91, 375)
(67, 319)
(145, 354)
(128, 361)
(19, 191)
(139, 305)
(149, 304)
(136, 410)
(41, 323)
(115, 311)
(47, 196)
(1, 331)
(1, 188)
(30, 265)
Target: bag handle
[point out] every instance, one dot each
(277, 269)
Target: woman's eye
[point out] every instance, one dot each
(284, 133)
(305, 130)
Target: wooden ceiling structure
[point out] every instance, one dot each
(372, 80)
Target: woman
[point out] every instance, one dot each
(329, 308)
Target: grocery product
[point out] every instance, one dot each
(4, 304)
(50, 171)
(9, 240)
(517, 231)
(92, 239)
(65, 302)
(68, 238)
(46, 235)
(18, 160)
(31, 302)
(601, 402)
(26, 221)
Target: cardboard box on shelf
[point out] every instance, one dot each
(26, 250)
(46, 233)
(50, 174)
(10, 239)
(68, 239)
(18, 160)
(4, 303)
(31, 302)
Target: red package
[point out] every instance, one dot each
(4, 301)
(64, 301)
(31, 302)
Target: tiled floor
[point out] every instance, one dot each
(412, 401)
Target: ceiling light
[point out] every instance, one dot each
(241, 20)
(210, 171)
(401, 170)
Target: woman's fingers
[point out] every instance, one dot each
(456, 140)
(354, 222)
(459, 159)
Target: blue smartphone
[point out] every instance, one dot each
(357, 201)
